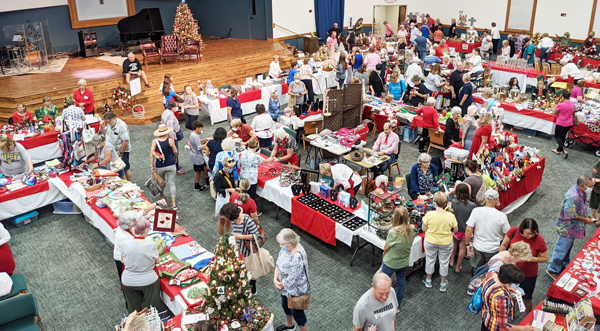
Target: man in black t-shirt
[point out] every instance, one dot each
(133, 68)
(337, 30)
(456, 83)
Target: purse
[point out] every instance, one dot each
(179, 135)
(260, 239)
(301, 302)
(260, 262)
(155, 184)
(117, 165)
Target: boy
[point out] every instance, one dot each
(48, 109)
(196, 157)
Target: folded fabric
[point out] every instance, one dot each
(201, 260)
(183, 251)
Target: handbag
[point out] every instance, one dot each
(260, 239)
(117, 165)
(179, 135)
(155, 184)
(260, 262)
(575, 119)
(213, 191)
(301, 302)
(476, 302)
(292, 100)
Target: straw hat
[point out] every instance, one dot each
(162, 130)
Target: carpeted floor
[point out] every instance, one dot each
(68, 265)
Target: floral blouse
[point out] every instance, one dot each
(392, 113)
(293, 272)
(425, 180)
(574, 204)
(249, 162)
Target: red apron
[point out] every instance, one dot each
(292, 160)
(352, 184)
(7, 263)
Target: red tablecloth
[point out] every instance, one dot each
(533, 178)
(570, 297)
(560, 318)
(529, 112)
(460, 47)
(478, 100)
(585, 61)
(177, 321)
(243, 97)
(40, 140)
(173, 290)
(29, 190)
(530, 72)
(314, 222)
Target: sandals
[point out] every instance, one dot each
(556, 152)
(458, 269)
(566, 155)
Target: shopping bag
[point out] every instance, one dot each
(476, 302)
(220, 202)
(155, 184)
(260, 262)
(117, 165)
(260, 240)
(213, 191)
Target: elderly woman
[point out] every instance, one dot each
(438, 226)
(73, 116)
(84, 97)
(274, 69)
(228, 146)
(433, 81)
(396, 252)
(124, 230)
(225, 185)
(14, 158)
(234, 107)
(452, 132)
(465, 95)
(482, 135)
(422, 176)
(564, 121)
(47, 109)
(249, 162)
(332, 40)
(274, 109)
(446, 63)
(527, 232)
(263, 126)
(190, 106)
(141, 284)
(462, 207)
(163, 154)
(343, 176)
(475, 61)
(418, 92)
(362, 75)
(470, 126)
(291, 276)
(104, 155)
(241, 130)
(505, 48)
(214, 146)
(577, 96)
(401, 32)
(286, 148)
(443, 50)
(296, 91)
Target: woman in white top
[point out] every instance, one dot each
(343, 176)
(274, 69)
(569, 69)
(433, 81)
(505, 48)
(476, 62)
(414, 69)
(191, 106)
(545, 45)
(263, 126)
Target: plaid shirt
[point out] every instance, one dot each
(498, 308)
(169, 119)
(574, 204)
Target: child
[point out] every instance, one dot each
(388, 109)
(48, 109)
(196, 157)
(21, 113)
(489, 101)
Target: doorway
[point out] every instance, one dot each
(392, 14)
(257, 17)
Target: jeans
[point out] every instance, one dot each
(310, 95)
(189, 121)
(252, 191)
(559, 134)
(384, 165)
(298, 315)
(468, 144)
(422, 55)
(544, 54)
(177, 159)
(400, 279)
(561, 256)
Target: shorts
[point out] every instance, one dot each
(132, 75)
(265, 142)
(125, 159)
(594, 200)
(199, 167)
(481, 258)
(459, 235)
(528, 285)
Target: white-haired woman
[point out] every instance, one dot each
(343, 176)
(469, 127)
(84, 97)
(250, 160)
(570, 70)
(234, 107)
(286, 148)
(506, 48)
(141, 284)
(446, 63)
(228, 146)
(274, 109)
(191, 106)
(452, 132)
(291, 276)
(105, 154)
(124, 230)
(422, 176)
(274, 68)
(296, 91)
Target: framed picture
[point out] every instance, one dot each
(164, 220)
(87, 14)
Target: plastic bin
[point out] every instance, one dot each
(24, 219)
(66, 207)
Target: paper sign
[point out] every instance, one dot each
(53, 163)
(19, 137)
(300, 63)
(561, 85)
(248, 80)
(135, 86)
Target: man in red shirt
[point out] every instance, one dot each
(430, 121)
(84, 98)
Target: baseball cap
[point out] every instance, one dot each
(491, 194)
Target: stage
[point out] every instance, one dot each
(224, 61)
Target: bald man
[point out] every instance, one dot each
(376, 309)
(386, 144)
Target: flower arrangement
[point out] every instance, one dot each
(329, 65)
(590, 50)
(138, 111)
(23, 124)
(106, 107)
(322, 54)
(122, 96)
(536, 38)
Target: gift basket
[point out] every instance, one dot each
(138, 111)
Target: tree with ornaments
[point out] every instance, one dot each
(186, 27)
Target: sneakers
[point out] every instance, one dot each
(427, 282)
(180, 172)
(258, 213)
(203, 188)
(552, 274)
(197, 187)
(285, 327)
(147, 85)
(443, 286)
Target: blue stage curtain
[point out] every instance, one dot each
(328, 12)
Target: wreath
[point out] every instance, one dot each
(122, 96)
(106, 107)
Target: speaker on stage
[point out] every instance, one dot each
(88, 43)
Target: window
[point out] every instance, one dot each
(253, 7)
(520, 15)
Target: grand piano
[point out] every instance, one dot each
(147, 24)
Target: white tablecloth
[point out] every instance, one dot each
(31, 202)
(416, 251)
(45, 153)
(325, 79)
(295, 122)
(500, 77)
(529, 122)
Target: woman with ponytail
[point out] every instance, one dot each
(244, 200)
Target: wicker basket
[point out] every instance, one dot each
(135, 113)
(94, 187)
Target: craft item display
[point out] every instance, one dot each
(289, 174)
(354, 223)
(581, 316)
(330, 210)
(381, 211)
(308, 198)
(145, 320)
(164, 220)
(169, 265)
(318, 204)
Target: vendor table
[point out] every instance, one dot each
(417, 250)
(296, 122)
(529, 119)
(367, 165)
(584, 60)
(560, 318)
(177, 321)
(502, 75)
(462, 47)
(217, 108)
(519, 192)
(555, 292)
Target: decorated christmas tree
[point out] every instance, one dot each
(185, 27)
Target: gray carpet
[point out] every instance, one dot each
(69, 267)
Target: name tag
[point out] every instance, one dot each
(85, 97)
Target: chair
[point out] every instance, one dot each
(290, 131)
(555, 69)
(19, 313)
(310, 127)
(380, 120)
(397, 158)
(150, 51)
(170, 47)
(225, 87)
(537, 66)
(19, 287)
(546, 68)
(436, 140)
(407, 180)
(264, 76)
(265, 152)
(193, 47)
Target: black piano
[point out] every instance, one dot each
(147, 24)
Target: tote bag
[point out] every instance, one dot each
(260, 262)
(220, 202)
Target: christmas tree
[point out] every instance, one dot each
(186, 27)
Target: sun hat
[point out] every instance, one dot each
(162, 130)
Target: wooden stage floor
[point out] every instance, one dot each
(224, 61)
